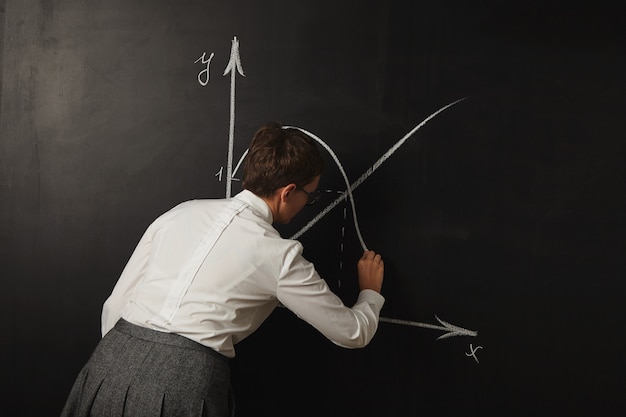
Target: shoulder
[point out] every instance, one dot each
(190, 209)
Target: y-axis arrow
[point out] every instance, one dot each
(233, 63)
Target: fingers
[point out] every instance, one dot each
(371, 255)
(371, 271)
(368, 254)
(373, 259)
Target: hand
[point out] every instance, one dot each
(371, 271)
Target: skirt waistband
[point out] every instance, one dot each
(171, 339)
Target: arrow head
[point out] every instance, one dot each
(235, 60)
(454, 330)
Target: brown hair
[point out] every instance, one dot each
(280, 156)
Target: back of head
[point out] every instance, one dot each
(280, 156)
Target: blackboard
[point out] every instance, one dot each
(501, 214)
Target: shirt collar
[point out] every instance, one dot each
(257, 203)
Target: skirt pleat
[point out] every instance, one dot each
(140, 372)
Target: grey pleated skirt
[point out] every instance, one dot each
(140, 372)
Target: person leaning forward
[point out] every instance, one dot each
(203, 277)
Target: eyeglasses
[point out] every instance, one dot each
(312, 197)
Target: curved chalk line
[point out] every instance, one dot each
(365, 175)
(351, 187)
(343, 173)
(345, 178)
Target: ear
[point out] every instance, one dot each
(288, 189)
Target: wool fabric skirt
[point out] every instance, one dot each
(139, 372)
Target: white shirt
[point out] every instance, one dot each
(214, 270)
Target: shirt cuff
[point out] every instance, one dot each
(371, 297)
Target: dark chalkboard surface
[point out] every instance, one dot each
(500, 218)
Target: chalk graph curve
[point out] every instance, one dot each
(235, 62)
(343, 173)
(345, 178)
(351, 187)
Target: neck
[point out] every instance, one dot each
(273, 202)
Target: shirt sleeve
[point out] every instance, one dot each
(303, 291)
(132, 274)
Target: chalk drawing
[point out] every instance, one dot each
(219, 174)
(345, 178)
(366, 174)
(362, 178)
(450, 329)
(207, 75)
(239, 163)
(234, 67)
(473, 352)
(234, 63)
